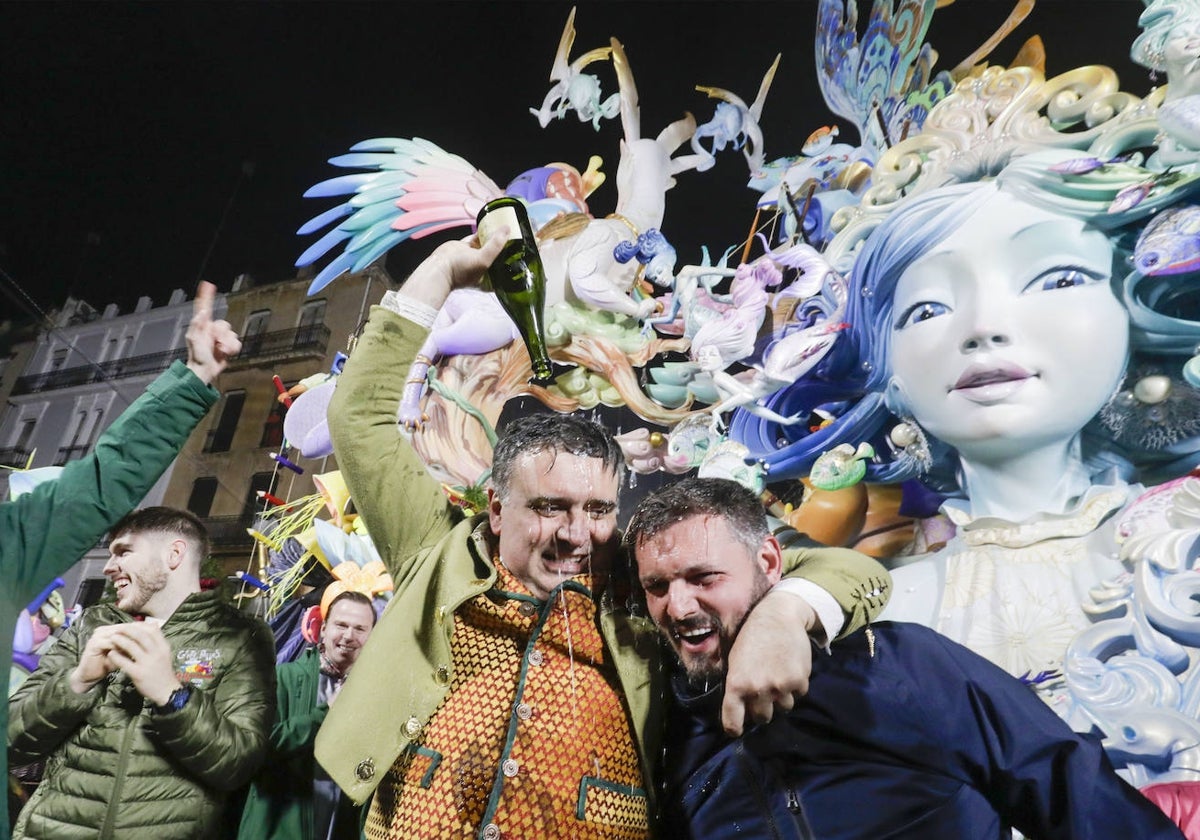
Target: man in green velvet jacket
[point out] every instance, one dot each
(291, 798)
(509, 690)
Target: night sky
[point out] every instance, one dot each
(129, 128)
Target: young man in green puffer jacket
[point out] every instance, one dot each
(150, 711)
(47, 530)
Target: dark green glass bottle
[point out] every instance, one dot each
(517, 277)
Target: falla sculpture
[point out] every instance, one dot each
(973, 327)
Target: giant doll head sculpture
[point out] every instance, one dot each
(1000, 326)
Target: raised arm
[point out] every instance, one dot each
(97, 490)
(211, 344)
(403, 506)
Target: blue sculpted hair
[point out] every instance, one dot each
(851, 383)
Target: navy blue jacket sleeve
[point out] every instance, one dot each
(1042, 778)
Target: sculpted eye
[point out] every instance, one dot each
(922, 311)
(1062, 278)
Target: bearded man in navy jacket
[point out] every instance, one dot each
(903, 734)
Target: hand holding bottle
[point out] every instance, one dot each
(453, 265)
(517, 276)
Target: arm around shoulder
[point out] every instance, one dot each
(859, 584)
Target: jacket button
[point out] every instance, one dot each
(412, 726)
(536, 658)
(527, 609)
(524, 711)
(442, 675)
(365, 771)
(491, 831)
(510, 767)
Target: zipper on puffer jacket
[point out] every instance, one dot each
(106, 830)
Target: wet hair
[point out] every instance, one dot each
(555, 433)
(165, 520)
(355, 597)
(738, 506)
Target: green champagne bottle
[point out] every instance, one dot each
(517, 277)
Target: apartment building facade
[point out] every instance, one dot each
(70, 382)
(225, 465)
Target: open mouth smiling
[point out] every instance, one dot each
(570, 565)
(693, 637)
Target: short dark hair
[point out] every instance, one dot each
(356, 597)
(165, 520)
(552, 432)
(739, 507)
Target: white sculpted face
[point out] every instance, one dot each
(1006, 335)
(1182, 46)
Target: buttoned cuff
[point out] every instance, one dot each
(828, 611)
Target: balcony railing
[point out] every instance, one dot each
(13, 457)
(229, 531)
(311, 340)
(86, 374)
(273, 346)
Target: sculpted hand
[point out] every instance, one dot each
(451, 266)
(210, 343)
(770, 661)
(141, 651)
(94, 663)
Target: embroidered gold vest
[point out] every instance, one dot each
(531, 741)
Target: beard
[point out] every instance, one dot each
(142, 588)
(704, 672)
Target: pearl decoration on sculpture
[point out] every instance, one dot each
(1151, 390)
(903, 435)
